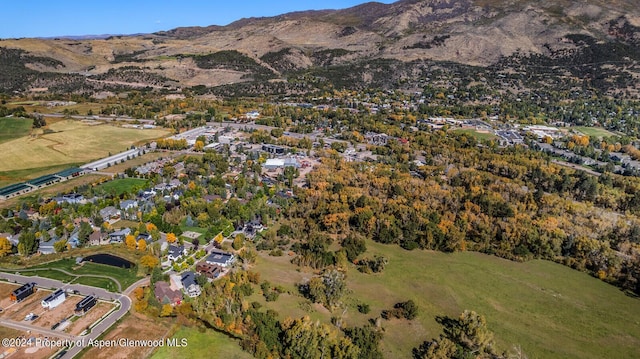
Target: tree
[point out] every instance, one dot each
(150, 262)
(171, 238)
(305, 339)
(167, 310)
(84, 232)
(238, 241)
(130, 241)
(465, 337)
(199, 146)
(27, 243)
(138, 293)
(5, 247)
(60, 246)
(142, 245)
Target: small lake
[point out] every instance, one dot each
(109, 259)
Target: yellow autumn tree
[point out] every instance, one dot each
(5, 247)
(130, 241)
(142, 245)
(171, 238)
(167, 310)
(148, 261)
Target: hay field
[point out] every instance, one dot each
(71, 142)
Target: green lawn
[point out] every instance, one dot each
(550, 310)
(481, 136)
(207, 344)
(125, 277)
(594, 131)
(12, 128)
(120, 186)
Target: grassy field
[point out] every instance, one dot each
(15, 176)
(550, 310)
(206, 344)
(11, 128)
(125, 277)
(71, 142)
(594, 131)
(481, 136)
(120, 186)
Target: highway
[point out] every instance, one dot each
(101, 327)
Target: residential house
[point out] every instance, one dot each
(191, 288)
(129, 207)
(210, 271)
(95, 238)
(110, 213)
(165, 295)
(220, 258)
(176, 252)
(119, 236)
(54, 299)
(145, 237)
(46, 247)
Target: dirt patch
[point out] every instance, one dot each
(50, 317)
(32, 304)
(5, 290)
(135, 327)
(89, 318)
(15, 352)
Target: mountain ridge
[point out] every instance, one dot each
(469, 32)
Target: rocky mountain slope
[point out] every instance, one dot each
(408, 38)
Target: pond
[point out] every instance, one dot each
(109, 259)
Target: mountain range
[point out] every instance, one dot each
(369, 45)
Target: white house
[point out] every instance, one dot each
(54, 299)
(220, 258)
(176, 252)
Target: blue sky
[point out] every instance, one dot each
(46, 18)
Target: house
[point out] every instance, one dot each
(220, 258)
(128, 205)
(46, 247)
(191, 288)
(95, 238)
(73, 198)
(109, 213)
(54, 299)
(85, 304)
(273, 149)
(210, 271)
(20, 294)
(165, 295)
(145, 237)
(176, 252)
(119, 236)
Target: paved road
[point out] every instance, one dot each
(123, 299)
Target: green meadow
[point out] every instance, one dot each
(549, 310)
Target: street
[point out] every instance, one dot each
(96, 331)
